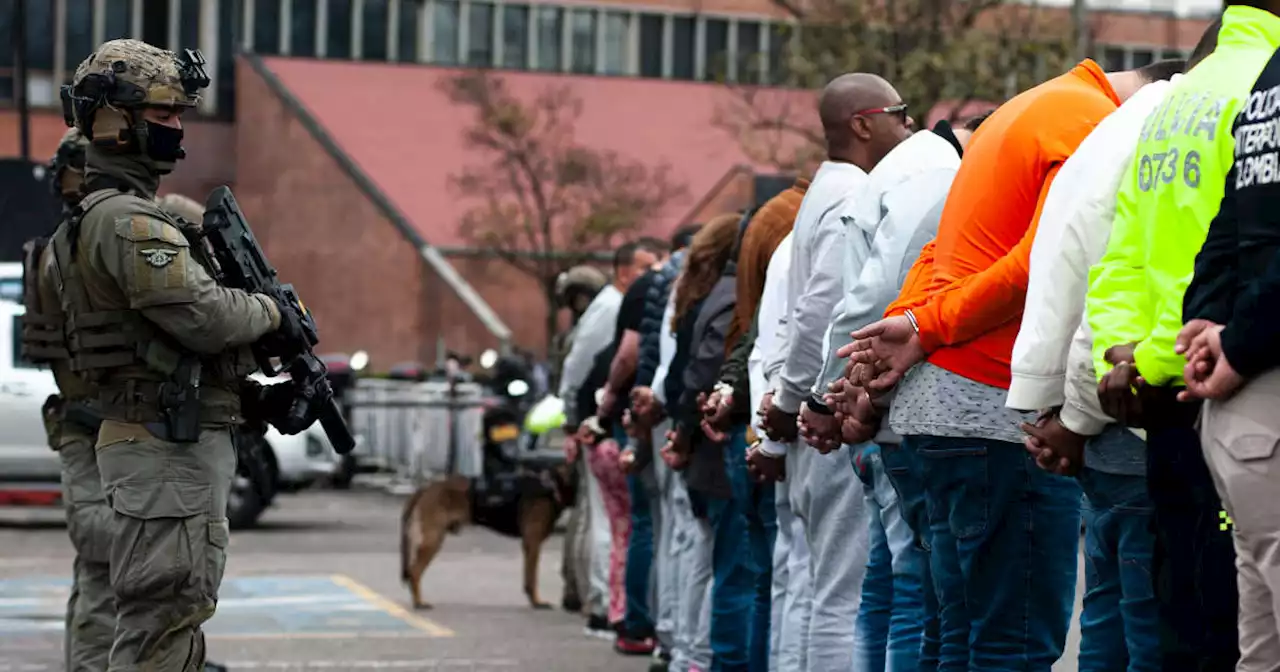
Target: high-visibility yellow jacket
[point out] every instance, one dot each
(1174, 189)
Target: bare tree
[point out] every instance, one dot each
(933, 51)
(543, 200)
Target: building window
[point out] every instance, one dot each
(79, 34)
(682, 47)
(1142, 57)
(1112, 59)
(302, 27)
(550, 31)
(155, 22)
(189, 24)
(583, 26)
(651, 45)
(266, 27)
(119, 18)
(617, 43)
(515, 36)
(410, 11)
(480, 34)
(716, 62)
(338, 42)
(444, 32)
(779, 39)
(373, 28)
(1172, 54)
(749, 68)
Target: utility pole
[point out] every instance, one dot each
(1080, 28)
(20, 80)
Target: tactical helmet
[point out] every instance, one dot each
(588, 280)
(123, 77)
(181, 207)
(67, 165)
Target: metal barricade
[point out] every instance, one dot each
(418, 430)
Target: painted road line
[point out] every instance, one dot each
(423, 665)
(433, 629)
(249, 607)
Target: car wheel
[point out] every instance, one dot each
(249, 496)
(345, 474)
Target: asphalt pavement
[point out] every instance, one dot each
(317, 587)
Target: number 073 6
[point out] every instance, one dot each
(1165, 167)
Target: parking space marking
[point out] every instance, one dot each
(390, 607)
(250, 607)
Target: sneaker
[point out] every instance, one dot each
(628, 646)
(598, 627)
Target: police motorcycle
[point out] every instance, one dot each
(514, 467)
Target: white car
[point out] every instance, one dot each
(30, 472)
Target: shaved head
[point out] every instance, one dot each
(855, 121)
(848, 94)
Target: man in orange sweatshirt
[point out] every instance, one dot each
(1003, 532)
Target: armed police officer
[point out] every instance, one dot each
(164, 345)
(72, 426)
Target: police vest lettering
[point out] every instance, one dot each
(1186, 119)
(1257, 145)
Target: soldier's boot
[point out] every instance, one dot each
(91, 613)
(169, 551)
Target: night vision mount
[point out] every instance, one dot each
(191, 70)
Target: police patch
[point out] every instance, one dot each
(158, 258)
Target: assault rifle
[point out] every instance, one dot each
(242, 265)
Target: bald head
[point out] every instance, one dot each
(862, 139)
(848, 94)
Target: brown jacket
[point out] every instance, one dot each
(771, 223)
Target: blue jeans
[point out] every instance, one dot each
(638, 621)
(1003, 539)
(762, 532)
(734, 584)
(1120, 623)
(890, 623)
(903, 470)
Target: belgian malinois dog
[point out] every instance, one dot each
(443, 506)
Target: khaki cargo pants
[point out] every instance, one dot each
(170, 545)
(91, 610)
(1239, 437)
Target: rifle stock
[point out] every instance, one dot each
(241, 264)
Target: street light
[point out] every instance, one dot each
(359, 360)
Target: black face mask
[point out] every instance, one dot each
(164, 143)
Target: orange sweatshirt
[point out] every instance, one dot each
(968, 287)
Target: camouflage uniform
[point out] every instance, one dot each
(72, 425)
(143, 313)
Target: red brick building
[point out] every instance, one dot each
(325, 118)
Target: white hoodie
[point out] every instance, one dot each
(1075, 223)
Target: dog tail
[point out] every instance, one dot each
(406, 524)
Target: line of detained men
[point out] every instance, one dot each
(1054, 315)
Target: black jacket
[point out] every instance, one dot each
(706, 467)
(1237, 272)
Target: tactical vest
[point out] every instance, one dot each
(135, 364)
(43, 340)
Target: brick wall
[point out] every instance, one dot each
(360, 277)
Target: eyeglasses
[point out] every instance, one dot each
(900, 110)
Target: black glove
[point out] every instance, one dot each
(263, 404)
(288, 338)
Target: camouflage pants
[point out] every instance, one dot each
(91, 610)
(170, 545)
